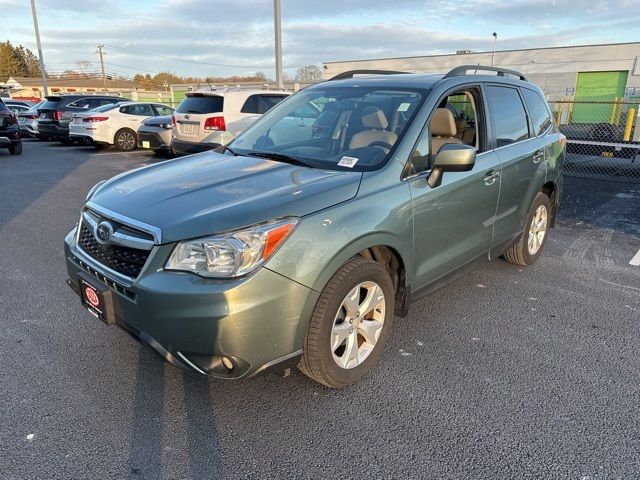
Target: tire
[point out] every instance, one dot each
(320, 361)
(125, 140)
(16, 149)
(527, 249)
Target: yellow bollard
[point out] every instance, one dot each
(613, 110)
(569, 111)
(559, 115)
(627, 127)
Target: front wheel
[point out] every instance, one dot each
(125, 140)
(350, 324)
(534, 235)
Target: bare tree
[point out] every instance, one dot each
(84, 67)
(309, 73)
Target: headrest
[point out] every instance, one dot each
(373, 117)
(461, 124)
(443, 124)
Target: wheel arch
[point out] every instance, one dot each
(383, 248)
(550, 189)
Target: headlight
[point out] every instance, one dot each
(231, 254)
(94, 188)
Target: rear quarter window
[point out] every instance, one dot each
(51, 104)
(201, 104)
(538, 110)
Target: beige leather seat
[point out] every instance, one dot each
(461, 124)
(443, 129)
(375, 121)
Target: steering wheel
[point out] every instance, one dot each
(380, 144)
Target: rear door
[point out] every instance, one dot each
(192, 115)
(522, 159)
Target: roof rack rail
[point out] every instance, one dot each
(351, 73)
(463, 69)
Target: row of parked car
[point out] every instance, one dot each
(203, 120)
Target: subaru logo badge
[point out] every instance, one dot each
(103, 232)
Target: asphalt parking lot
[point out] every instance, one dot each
(506, 373)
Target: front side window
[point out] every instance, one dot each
(335, 127)
(455, 121)
(540, 114)
(509, 116)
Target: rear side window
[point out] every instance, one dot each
(201, 104)
(139, 110)
(537, 106)
(509, 116)
(163, 110)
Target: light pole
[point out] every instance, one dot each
(35, 26)
(493, 53)
(104, 77)
(278, 34)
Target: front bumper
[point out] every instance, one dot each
(258, 322)
(155, 140)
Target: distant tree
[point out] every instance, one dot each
(260, 76)
(84, 67)
(309, 73)
(17, 62)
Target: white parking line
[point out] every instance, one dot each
(635, 261)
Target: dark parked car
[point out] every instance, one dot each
(58, 110)
(9, 130)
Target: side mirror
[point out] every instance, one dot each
(452, 157)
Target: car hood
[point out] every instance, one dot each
(210, 193)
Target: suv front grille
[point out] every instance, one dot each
(124, 260)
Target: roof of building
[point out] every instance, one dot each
(71, 82)
(484, 52)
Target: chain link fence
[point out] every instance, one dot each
(603, 137)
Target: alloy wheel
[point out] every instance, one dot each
(357, 325)
(537, 230)
(126, 141)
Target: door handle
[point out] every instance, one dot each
(490, 177)
(538, 156)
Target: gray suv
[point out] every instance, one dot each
(297, 244)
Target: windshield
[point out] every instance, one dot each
(334, 127)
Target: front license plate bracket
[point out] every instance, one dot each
(97, 298)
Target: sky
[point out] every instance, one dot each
(219, 38)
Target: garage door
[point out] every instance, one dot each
(597, 87)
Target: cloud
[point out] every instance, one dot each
(239, 33)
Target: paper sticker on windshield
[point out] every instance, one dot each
(348, 162)
(404, 107)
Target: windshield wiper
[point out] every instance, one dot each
(280, 157)
(224, 148)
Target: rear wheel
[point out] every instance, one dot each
(16, 149)
(534, 235)
(350, 324)
(125, 140)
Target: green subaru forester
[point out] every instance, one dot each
(298, 243)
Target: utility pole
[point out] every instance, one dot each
(104, 78)
(43, 74)
(277, 27)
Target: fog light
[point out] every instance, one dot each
(227, 363)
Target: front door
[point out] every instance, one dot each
(453, 222)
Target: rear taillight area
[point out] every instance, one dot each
(215, 123)
(11, 118)
(30, 117)
(57, 115)
(94, 119)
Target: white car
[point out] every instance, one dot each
(116, 124)
(210, 118)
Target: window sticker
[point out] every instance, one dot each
(348, 162)
(403, 107)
